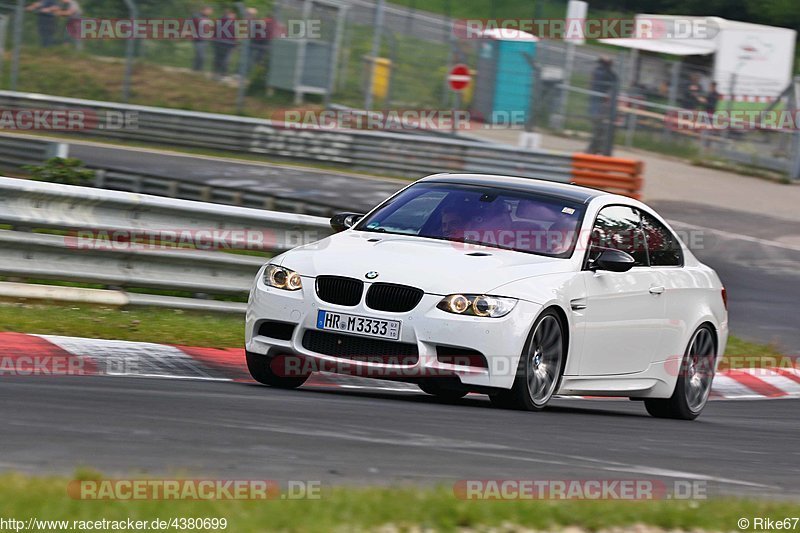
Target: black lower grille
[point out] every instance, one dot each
(393, 298)
(276, 330)
(360, 348)
(339, 290)
(453, 355)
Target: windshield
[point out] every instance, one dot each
(495, 217)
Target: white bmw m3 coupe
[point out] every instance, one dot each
(517, 288)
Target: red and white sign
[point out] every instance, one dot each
(459, 78)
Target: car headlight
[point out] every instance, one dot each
(477, 305)
(282, 278)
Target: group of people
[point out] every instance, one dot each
(693, 97)
(48, 13)
(223, 45)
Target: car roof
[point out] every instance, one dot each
(565, 191)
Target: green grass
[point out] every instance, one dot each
(64, 72)
(742, 353)
(351, 509)
(216, 330)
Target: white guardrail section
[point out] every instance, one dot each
(381, 152)
(77, 250)
(18, 149)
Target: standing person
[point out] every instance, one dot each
(690, 94)
(224, 43)
(71, 9)
(259, 44)
(45, 20)
(712, 97)
(604, 79)
(201, 20)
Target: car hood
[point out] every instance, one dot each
(437, 267)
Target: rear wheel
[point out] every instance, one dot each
(260, 367)
(694, 380)
(540, 367)
(446, 391)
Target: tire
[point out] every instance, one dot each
(443, 390)
(261, 370)
(694, 380)
(540, 368)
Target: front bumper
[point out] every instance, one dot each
(500, 340)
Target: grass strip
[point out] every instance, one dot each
(405, 508)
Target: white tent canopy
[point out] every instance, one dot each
(686, 47)
(682, 42)
(749, 60)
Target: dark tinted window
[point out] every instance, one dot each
(619, 227)
(662, 245)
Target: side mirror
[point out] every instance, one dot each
(343, 221)
(613, 261)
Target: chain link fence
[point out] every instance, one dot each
(364, 54)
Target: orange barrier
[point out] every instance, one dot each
(614, 174)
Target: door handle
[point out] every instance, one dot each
(656, 290)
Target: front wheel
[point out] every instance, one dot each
(694, 380)
(260, 367)
(540, 367)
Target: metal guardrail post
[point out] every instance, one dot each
(57, 150)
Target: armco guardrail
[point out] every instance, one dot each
(118, 180)
(89, 220)
(17, 151)
(382, 152)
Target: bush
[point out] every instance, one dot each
(68, 171)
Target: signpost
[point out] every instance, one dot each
(459, 79)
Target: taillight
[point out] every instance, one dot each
(725, 298)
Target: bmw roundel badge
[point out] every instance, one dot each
(371, 274)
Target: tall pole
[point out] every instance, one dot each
(130, 49)
(3, 30)
(376, 49)
(19, 16)
(244, 61)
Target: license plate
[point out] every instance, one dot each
(360, 325)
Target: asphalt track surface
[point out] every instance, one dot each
(296, 183)
(758, 269)
(125, 426)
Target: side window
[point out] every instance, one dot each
(619, 227)
(662, 245)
